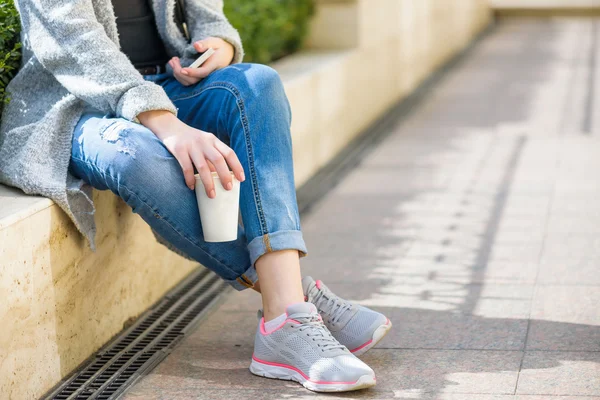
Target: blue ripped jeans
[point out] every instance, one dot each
(245, 106)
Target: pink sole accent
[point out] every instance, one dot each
(387, 322)
(300, 372)
(361, 346)
(318, 283)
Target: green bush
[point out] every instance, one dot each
(10, 54)
(270, 29)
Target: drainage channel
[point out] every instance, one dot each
(141, 347)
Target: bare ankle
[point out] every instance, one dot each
(280, 281)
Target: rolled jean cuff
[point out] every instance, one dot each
(276, 241)
(245, 281)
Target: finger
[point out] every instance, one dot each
(183, 80)
(232, 160)
(176, 66)
(204, 173)
(178, 73)
(216, 158)
(187, 168)
(211, 166)
(202, 45)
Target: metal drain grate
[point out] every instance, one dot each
(138, 349)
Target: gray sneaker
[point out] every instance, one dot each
(303, 350)
(356, 327)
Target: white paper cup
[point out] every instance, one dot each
(219, 216)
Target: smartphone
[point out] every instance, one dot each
(203, 57)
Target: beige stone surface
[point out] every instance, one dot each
(61, 302)
(334, 25)
(15, 205)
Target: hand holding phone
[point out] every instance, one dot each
(193, 74)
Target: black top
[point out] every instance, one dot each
(138, 34)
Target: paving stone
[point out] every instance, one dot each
(225, 328)
(446, 314)
(418, 151)
(388, 182)
(346, 268)
(246, 300)
(511, 253)
(148, 390)
(461, 272)
(533, 224)
(361, 268)
(198, 368)
(301, 394)
(581, 186)
(560, 373)
(438, 371)
(366, 212)
(575, 205)
(501, 271)
(576, 271)
(417, 328)
(573, 247)
(565, 318)
(358, 243)
(475, 238)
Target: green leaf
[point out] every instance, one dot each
(10, 54)
(270, 29)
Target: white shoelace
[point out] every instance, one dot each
(318, 332)
(331, 304)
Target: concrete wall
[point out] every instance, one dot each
(62, 302)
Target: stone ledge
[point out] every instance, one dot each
(316, 84)
(16, 205)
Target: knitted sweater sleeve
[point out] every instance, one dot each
(70, 43)
(205, 18)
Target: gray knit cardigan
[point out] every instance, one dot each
(71, 58)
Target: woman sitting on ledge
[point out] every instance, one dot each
(104, 100)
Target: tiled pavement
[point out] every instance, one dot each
(475, 226)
